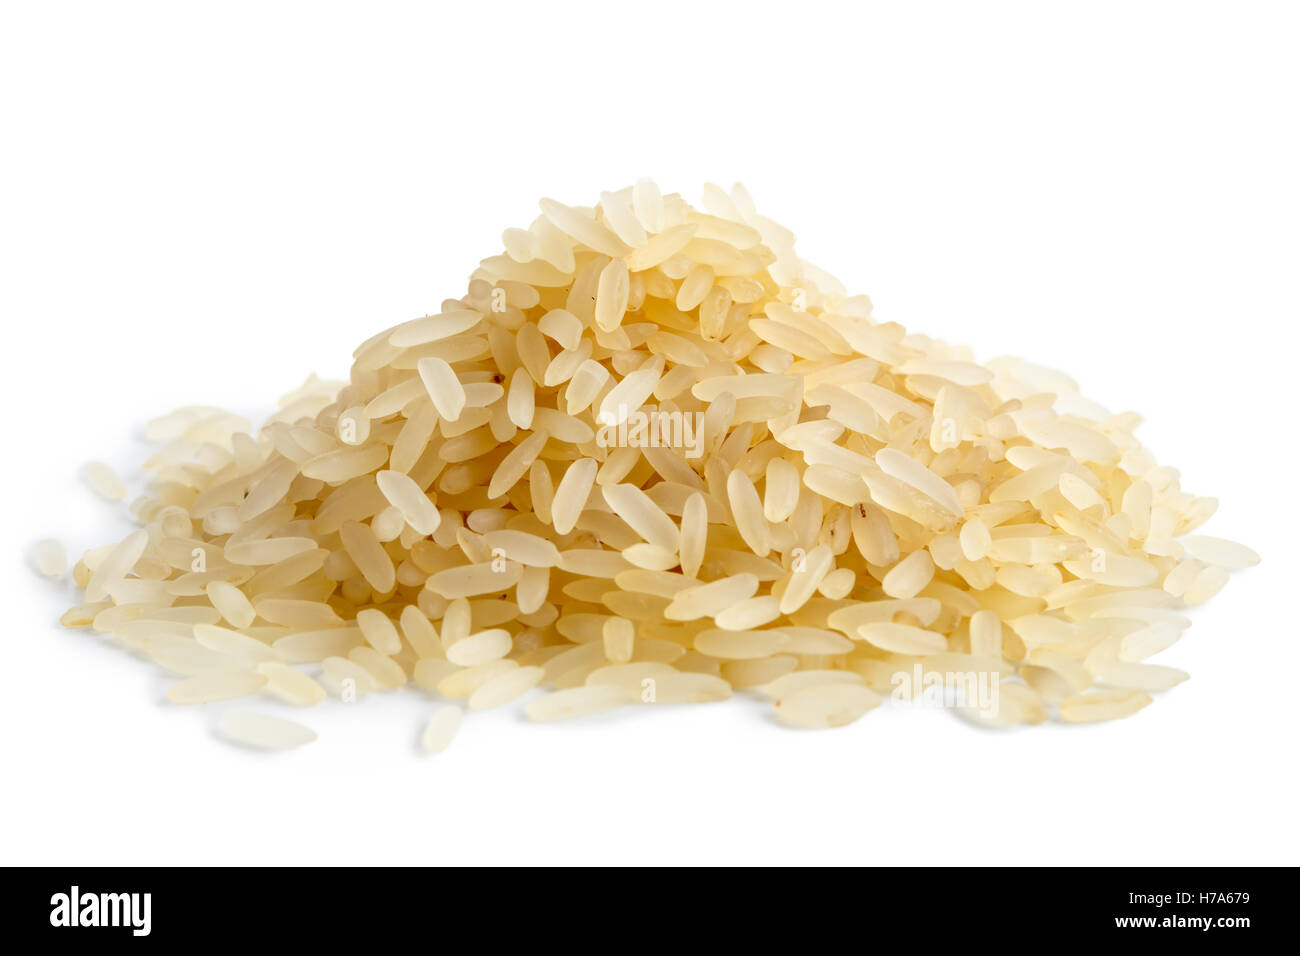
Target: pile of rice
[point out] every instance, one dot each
(652, 457)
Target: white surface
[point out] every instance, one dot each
(206, 205)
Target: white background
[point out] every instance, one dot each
(203, 203)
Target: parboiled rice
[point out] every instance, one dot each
(50, 558)
(263, 732)
(104, 481)
(651, 456)
(441, 728)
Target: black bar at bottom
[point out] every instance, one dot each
(330, 906)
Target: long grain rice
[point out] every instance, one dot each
(232, 603)
(826, 704)
(650, 444)
(1103, 705)
(104, 481)
(207, 688)
(578, 702)
(50, 558)
(290, 684)
(480, 648)
(505, 687)
(709, 600)
(440, 729)
(263, 732)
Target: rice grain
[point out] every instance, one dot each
(50, 558)
(441, 729)
(104, 481)
(262, 732)
(652, 456)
